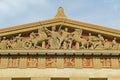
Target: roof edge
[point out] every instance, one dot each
(93, 26)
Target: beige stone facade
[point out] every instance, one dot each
(47, 74)
(59, 49)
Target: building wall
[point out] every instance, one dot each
(48, 73)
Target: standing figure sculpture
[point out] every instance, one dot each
(54, 40)
(3, 43)
(42, 33)
(115, 45)
(64, 35)
(16, 42)
(19, 41)
(101, 38)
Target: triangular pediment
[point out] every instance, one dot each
(60, 34)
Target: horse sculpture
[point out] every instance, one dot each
(35, 39)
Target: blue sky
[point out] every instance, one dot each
(100, 12)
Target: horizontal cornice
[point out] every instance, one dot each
(62, 52)
(35, 25)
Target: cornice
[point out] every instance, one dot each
(62, 52)
(76, 24)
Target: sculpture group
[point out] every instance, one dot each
(58, 38)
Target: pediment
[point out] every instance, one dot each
(59, 34)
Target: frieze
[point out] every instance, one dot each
(59, 37)
(57, 61)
